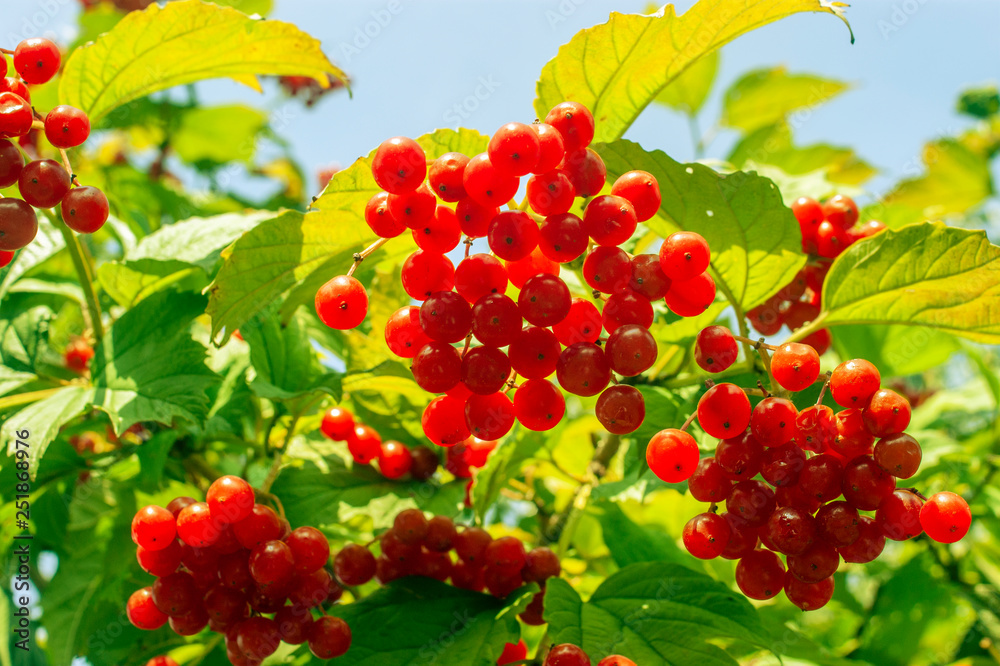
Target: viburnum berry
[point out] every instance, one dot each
(809, 214)
(781, 465)
(538, 405)
(159, 562)
(486, 184)
(609, 220)
(869, 544)
(512, 235)
(513, 150)
(621, 409)
(724, 411)
(403, 334)
(364, 443)
(626, 307)
(478, 275)
(795, 366)
(705, 536)
(898, 515)
(18, 224)
(399, 165)
(230, 499)
(741, 455)
(752, 501)
(586, 171)
(561, 237)
(648, 278)
(310, 549)
(760, 574)
(582, 324)
(631, 350)
(153, 528)
(197, 527)
(379, 219)
(766, 319)
(551, 149)
(945, 517)
(567, 654)
(831, 240)
(162, 660)
(425, 463)
(534, 352)
(853, 438)
(66, 126)
(815, 427)
(354, 565)
(791, 530)
(513, 652)
(15, 116)
(446, 317)
(583, 369)
(36, 60)
(641, 190)
(690, 298)
(485, 370)
(607, 269)
(445, 176)
(85, 209)
(142, 612)
(258, 637)
(773, 421)
(425, 273)
(342, 303)
(866, 230)
(544, 300)
(819, 561)
(709, 482)
(11, 163)
(839, 523)
(536, 263)
(808, 596)
(854, 382)
(550, 193)
(337, 424)
(413, 209)
(77, 355)
(684, 255)
(271, 562)
(821, 477)
(887, 413)
(672, 455)
(840, 211)
(440, 233)
(473, 217)
(899, 455)
(496, 320)
(444, 421)
(574, 122)
(865, 484)
(293, 624)
(715, 349)
(43, 183)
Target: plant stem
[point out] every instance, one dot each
(360, 256)
(84, 272)
(26, 398)
(807, 330)
(681, 381)
(741, 319)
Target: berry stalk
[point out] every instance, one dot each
(84, 272)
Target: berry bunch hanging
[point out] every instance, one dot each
(827, 487)
(42, 183)
(522, 339)
(827, 230)
(238, 568)
(418, 546)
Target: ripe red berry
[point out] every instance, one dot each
(486, 184)
(354, 565)
(310, 549)
(77, 355)
(816, 428)
(869, 544)
(329, 637)
(621, 409)
(724, 411)
(865, 484)
(854, 382)
(485, 370)
(538, 405)
(258, 637)
(403, 334)
(773, 421)
(413, 209)
(446, 317)
(672, 455)
(142, 611)
(445, 176)
(399, 165)
(898, 515)
(839, 524)
(684, 255)
(153, 528)
(809, 214)
(887, 413)
(741, 456)
(544, 300)
(260, 526)
(337, 424)
(582, 324)
(586, 171)
(795, 366)
(818, 562)
(648, 278)
(782, 465)
(36, 60)
(66, 126)
(609, 220)
(690, 298)
(364, 444)
(574, 122)
(43, 183)
(444, 421)
(496, 320)
(641, 190)
(752, 501)
(512, 235)
(607, 269)
(11, 163)
(715, 349)
(425, 273)
(513, 652)
(513, 149)
(706, 535)
(197, 527)
(534, 352)
(840, 211)
(551, 149)
(760, 574)
(709, 482)
(15, 115)
(474, 218)
(583, 369)
(821, 477)
(439, 233)
(161, 562)
(945, 517)
(18, 224)
(550, 193)
(791, 530)
(808, 596)
(898, 455)
(631, 350)
(342, 303)
(562, 238)
(85, 209)
(626, 307)
(271, 562)
(294, 624)
(230, 499)
(567, 655)
(478, 275)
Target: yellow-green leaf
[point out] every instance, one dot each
(617, 68)
(183, 42)
(218, 134)
(766, 96)
(923, 274)
(688, 91)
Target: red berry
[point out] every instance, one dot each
(437, 367)
(399, 165)
(153, 528)
(582, 324)
(161, 562)
(706, 535)
(648, 278)
(715, 349)
(562, 238)
(337, 424)
(444, 421)
(544, 300)
(773, 421)
(586, 171)
(574, 122)
(439, 233)
(690, 298)
(853, 439)
(66, 126)
(470, 545)
(607, 269)
(795, 366)
(342, 303)
(474, 218)
(478, 275)
(36, 60)
(631, 350)
(781, 465)
(354, 565)
(11, 163)
(230, 499)
(684, 255)
(550, 193)
(626, 307)
(496, 320)
(446, 317)
(865, 484)
(808, 596)
(741, 456)
(641, 190)
(551, 149)
(485, 370)
(815, 427)
(260, 526)
(831, 240)
(854, 382)
(294, 624)
(486, 184)
(791, 530)
(752, 501)
(818, 562)
(85, 209)
(869, 544)
(364, 444)
(425, 273)
(514, 149)
(538, 405)
(412, 209)
(425, 463)
(197, 527)
(536, 263)
(839, 524)
(945, 517)
(43, 183)
(709, 482)
(513, 652)
(567, 655)
(898, 515)
(583, 369)
(760, 575)
(898, 455)
(445, 176)
(15, 115)
(621, 409)
(821, 477)
(609, 220)
(176, 594)
(142, 612)
(672, 455)
(534, 352)
(809, 214)
(840, 211)
(887, 413)
(18, 224)
(310, 549)
(403, 334)
(512, 235)
(724, 411)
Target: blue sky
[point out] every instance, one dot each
(910, 60)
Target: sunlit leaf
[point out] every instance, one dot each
(765, 96)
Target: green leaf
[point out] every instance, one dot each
(47, 243)
(980, 102)
(183, 42)
(43, 420)
(957, 179)
(630, 543)
(687, 93)
(422, 621)
(755, 240)
(148, 367)
(333, 494)
(654, 613)
(388, 395)
(505, 463)
(130, 282)
(197, 240)
(896, 350)
(218, 134)
(617, 68)
(765, 96)
(923, 274)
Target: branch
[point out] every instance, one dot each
(84, 273)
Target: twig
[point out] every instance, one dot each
(360, 256)
(688, 421)
(84, 273)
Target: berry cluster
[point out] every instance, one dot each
(819, 471)
(43, 183)
(543, 328)
(228, 563)
(564, 654)
(416, 546)
(827, 230)
(308, 88)
(77, 355)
